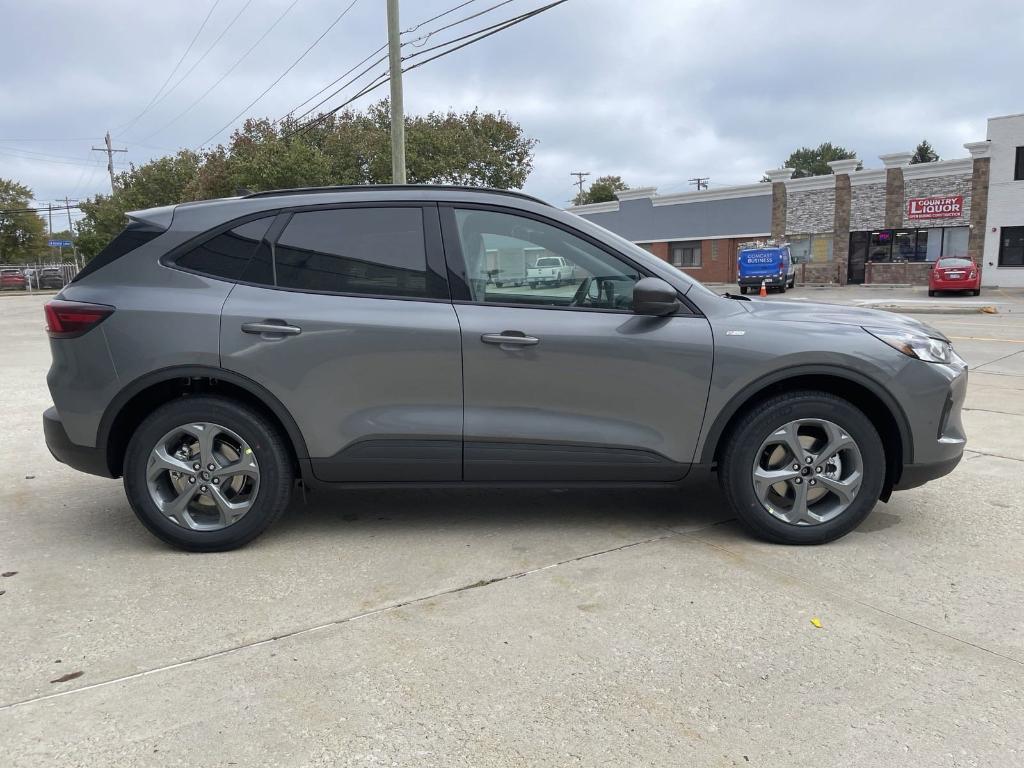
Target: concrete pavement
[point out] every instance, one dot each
(486, 628)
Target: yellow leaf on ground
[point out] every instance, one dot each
(816, 622)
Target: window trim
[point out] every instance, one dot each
(1018, 164)
(686, 244)
(432, 245)
(457, 266)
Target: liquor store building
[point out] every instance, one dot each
(882, 225)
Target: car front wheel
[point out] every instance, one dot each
(207, 473)
(803, 468)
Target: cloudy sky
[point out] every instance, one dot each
(657, 91)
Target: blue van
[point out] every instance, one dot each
(773, 265)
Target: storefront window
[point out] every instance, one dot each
(880, 246)
(954, 241)
(1011, 247)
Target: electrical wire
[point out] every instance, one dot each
(280, 77)
(463, 20)
(487, 32)
(156, 95)
(223, 77)
(205, 53)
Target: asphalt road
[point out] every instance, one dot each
(442, 628)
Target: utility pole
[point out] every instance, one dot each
(701, 182)
(580, 175)
(71, 232)
(110, 158)
(397, 108)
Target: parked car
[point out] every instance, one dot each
(12, 278)
(550, 271)
(49, 277)
(954, 273)
(217, 352)
(772, 266)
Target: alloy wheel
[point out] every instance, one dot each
(202, 476)
(808, 472)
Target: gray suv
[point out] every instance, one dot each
(219, 352)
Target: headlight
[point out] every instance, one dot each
(915, 344)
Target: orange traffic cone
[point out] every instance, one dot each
(764, 290)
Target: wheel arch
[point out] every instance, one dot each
(866, 394)
(139, 398)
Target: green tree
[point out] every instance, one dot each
(813, 161)
(22, 232)
(601, 191)
(350, 147)
(924, 153)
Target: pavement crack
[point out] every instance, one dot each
(669, 533)
(993, 455)
(857, 601)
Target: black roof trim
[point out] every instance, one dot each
(393, 187)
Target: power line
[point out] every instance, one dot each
(223, 77)
(156, 95)
(382, 58)
(580, 176)
(205, 53)
(383, 77)
(280, 77)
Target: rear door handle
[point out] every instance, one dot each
(278, 327)
(510, 339)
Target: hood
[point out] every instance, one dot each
(810, 312)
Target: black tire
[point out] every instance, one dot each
(743, 290)
(976, 293)
(932, 293)
(499, 285)
(272, 455)
(744, 441)
(782, 288)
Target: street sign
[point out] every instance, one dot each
(60, 243)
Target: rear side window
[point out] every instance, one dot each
(131, 237)
(370, 251)
(227, 255)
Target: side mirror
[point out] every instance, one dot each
(653, 296)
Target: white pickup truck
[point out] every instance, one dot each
(550, 271)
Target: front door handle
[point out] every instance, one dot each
(510, 339)
(278, 327)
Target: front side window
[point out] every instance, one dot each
(227, 255)
(512, 259)
(369, 251)
(1011, 247)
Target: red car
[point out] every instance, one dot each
(954, 273)
(12, 278)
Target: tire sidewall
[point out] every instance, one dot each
(746, 442)
(274, 466)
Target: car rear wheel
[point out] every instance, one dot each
(931, 293)
(976, 292)
(207, 473)
(803, 468)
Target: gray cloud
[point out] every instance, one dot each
(654, 90)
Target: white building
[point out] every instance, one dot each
(1004, 235)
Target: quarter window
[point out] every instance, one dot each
(517, 260)
(227, 255)
(1011, 247)
(370, 251)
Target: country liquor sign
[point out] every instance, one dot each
(944, 207)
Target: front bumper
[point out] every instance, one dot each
(86, 459)
(914, 475)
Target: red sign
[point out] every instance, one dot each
(951, 207)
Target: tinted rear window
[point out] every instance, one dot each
(955, 263)
(227, 255)
(131, 237)
(370, 251)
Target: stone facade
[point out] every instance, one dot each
(938, 186)
(898, 273)
(895, 197)
(868, 206)
(979, 211)
(818, 274)
(778, 210)
(810, 211)
(841, 224)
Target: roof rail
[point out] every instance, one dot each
(386, 187)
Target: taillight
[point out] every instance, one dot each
(66, 319)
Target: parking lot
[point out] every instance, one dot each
(486, 628)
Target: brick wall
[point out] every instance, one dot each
(778, 210)
(895, 199)
(841, 225)
(979, 211)
(718, 259)
(818, 274)
(908, 272)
